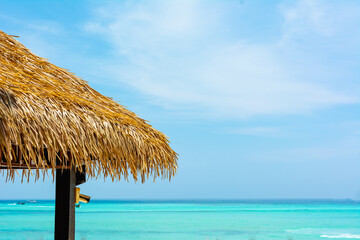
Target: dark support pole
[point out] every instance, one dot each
(65, 204)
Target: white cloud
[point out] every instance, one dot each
(178, 54)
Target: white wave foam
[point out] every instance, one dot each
(344, 235)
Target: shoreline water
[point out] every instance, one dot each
(189, 219)
(240, 200)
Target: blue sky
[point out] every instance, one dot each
(260, 98)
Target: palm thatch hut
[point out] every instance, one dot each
(51, 120)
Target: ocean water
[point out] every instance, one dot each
(208, 220)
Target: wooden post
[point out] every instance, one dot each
(65, 204)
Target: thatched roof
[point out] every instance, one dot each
(47, 114)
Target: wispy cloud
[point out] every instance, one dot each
(256, 131)
(335, 150)
(320, 17)
(192, 55)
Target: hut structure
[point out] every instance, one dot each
(53, 122)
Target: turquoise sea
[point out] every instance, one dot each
(250, 220)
